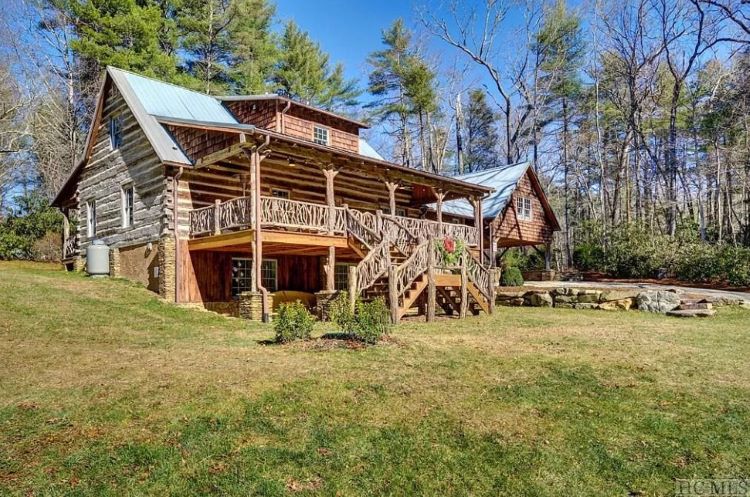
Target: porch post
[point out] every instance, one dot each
(431, 289)
(464, 288)
(548, 256)
(254, 221)
(330, 173)
(476, 202)
(439, 196)
(392, 187)
(493, 244)
(352, 287)
(330, 266)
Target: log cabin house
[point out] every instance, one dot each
(186, 188)
(240, 203)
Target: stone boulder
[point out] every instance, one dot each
(660, 301)
(692, 313)
(540, 300)
(617, 305)
(618, 295)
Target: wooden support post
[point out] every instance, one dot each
(548, 256)
(493, 244)
(492, 289)
(217, 217)
(392, 294)
(476, 202)
(439, 196)
(330, 174)
(379, 222)
(330, 267)
(352, 287)
(464, 288)
(392, 187)
(431, 289)
(254, 219)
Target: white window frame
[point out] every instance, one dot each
(336, 282)
(524, 210)
(267, 263)
(115, 132)
(127, 212)
(320, 141)
(91, 218)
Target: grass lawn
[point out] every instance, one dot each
(105, 390)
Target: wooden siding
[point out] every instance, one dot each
(509, 230)
(207, 275)
(258, 113)
(294, 125)
(107, 170)
(201, 187)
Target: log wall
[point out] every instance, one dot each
(107, 170)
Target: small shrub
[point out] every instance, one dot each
(372, 321)
(294, 322)
(511, 277)
(47, 248)
(341, 313)
(588, 257)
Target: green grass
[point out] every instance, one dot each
(105, 390)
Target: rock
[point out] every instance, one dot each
(585, 305)
(513, 302)
(562, 291)
(588, 298)
(541, 300)
(615, 295)
(693, 313)
(694, 306)
(508, 294)
(660, 301)
(565, 299)
(617, 305)
(564, 305)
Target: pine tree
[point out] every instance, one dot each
(481, 134)
(125, 34)
(303, 72)
(204, 27)
(253, 47)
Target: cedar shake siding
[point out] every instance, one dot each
(510, 230)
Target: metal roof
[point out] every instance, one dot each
(503, 179)
(367, 150)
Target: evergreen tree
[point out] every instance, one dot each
(204, 27)
(254, 51)
(125, 34)
(303, 72)
(481, 134)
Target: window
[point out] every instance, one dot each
(115, 132)
(279, 193)
(400, 211)
(91, 218)
(341, 276)
(127, 206)
(242, 275)
(320, 135)
(523, 208)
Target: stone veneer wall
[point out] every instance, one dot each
(231, 308)
(324, 299)
(251, 306)
(167, 268)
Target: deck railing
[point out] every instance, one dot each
(70, 247)
(368, 227)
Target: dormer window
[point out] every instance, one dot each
(320, 135)
(115, 132)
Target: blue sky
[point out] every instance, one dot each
(347, 29)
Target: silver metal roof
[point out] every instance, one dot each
(503, 179)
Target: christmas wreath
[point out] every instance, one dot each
(450, 251)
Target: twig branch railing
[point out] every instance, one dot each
(479, 275)
(287, 213)
(202, 220)
(374, 265)
(235, 213)
(70, 247)
(412, 267)
(362, 225)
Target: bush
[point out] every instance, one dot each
(294, 322)
(511, 277)
(588, 257)
(47, 248)
(32, 220)
(372, 322)
(341, 313)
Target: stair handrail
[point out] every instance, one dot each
(414, 266)
(374, 265)
(403, 238)
(356, 228)
(479, 275)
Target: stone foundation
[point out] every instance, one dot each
(79, 264)
(231, 308)
(540, 275)
(114, 262)
(324, 299)
(166, 254)
(251, 306)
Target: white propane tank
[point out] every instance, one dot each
(97, 258)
